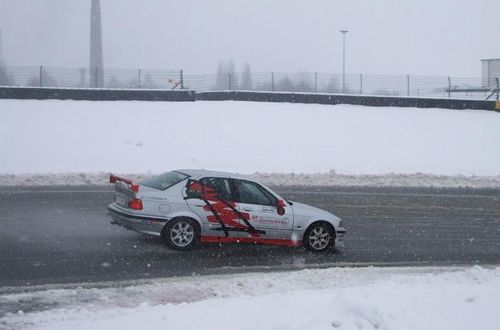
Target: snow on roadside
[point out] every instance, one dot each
(335, 298)
(291, 179)
(364, 144)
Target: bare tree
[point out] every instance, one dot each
(226, 77)
(246, 78)
(304, 83)
(285, 85)
(333, 85)
(221, 76)
(5, 78)
(114, 82)
(47, 81)
(232, 76)
(149, 82)
(83, 78)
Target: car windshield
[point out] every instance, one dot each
(165, 180)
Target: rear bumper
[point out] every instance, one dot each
(135, 222)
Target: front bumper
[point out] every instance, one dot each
(139, 223)
(339, 237)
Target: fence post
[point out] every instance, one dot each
(361, 83)
(139, 77)
(96, 72)
(182, 79)
(449, 87)
(315, 82)
(229, 80)
(272, 81)
(41, 76)
(407, 85)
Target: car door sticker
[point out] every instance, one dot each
(223, 212)
(269, 220)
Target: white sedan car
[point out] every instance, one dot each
(187, 207)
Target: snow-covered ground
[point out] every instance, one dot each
(301, 179)
(54, 142)
(335, 298)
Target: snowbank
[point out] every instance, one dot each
(336, 298)
(90, 137)
(300, 179)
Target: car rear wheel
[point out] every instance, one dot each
(181, 234)
(319, 237)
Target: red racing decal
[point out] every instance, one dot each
(261, 240)
(223, 212)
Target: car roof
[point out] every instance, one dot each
(196, 173)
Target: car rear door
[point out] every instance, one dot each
(262, 207)
(198, 204)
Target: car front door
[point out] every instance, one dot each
(262, 208)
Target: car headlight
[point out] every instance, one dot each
(341, 224)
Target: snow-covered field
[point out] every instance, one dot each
(335, 298)
(63, 142)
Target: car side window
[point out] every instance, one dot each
(190, 193)
(220, 185)
(252, 193)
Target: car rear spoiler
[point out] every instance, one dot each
(131, 185)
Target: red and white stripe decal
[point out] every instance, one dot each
(260, 240)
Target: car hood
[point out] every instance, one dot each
(308, 210)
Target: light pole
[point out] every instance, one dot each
(343, 59)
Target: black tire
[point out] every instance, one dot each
(319, 236)
(181, 234)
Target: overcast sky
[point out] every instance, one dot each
(428, 37)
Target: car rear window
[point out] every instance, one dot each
(165, 180)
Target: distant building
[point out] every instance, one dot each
(490, 70)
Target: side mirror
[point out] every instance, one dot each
(281, 206)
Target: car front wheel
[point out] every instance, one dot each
(318, 237)
(181, 234)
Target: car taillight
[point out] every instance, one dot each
(135, 204)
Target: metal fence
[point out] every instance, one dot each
(48, 76)
(359, 84)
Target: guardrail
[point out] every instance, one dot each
(190, 96)
(41, 93)
(377, 101)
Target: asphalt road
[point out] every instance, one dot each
(63, 235)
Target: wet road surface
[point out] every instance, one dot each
(63, 235)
